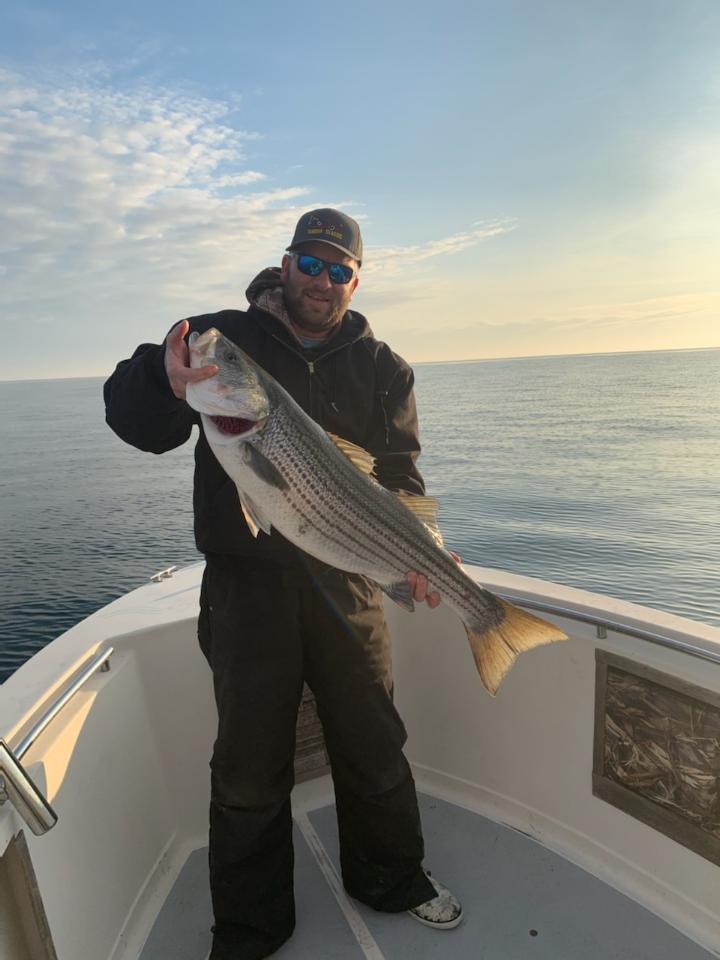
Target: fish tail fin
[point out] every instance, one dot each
(496, 648)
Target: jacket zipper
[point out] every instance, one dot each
(310, 364)
(311, 391)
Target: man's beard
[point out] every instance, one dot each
(304, 318)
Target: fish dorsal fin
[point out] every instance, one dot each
(425, 509)
(364, 461)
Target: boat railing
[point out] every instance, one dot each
(16, 785)
(602, 624)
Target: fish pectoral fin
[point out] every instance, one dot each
(364, 461)
(254, 517)
(425, 509)
(263, 468)
(401, 593)
(497, 647)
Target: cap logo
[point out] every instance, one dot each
(317, 226)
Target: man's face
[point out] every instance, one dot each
(316, 304)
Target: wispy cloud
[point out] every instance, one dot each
(121, 204)
(622, 325)
(401, 278)
(108, 195)
(632, 314)
(239, 179)
(392, 259)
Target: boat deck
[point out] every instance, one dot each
(520, 900)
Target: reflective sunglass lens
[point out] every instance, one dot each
(311, 266)
(314, 266)
(339, 273)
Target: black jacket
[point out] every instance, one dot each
(353, 385)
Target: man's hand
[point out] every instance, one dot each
(421, 587)
(177, 361)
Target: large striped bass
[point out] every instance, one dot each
(318, 491)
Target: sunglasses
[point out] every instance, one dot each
(314, 266)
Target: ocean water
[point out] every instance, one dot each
(598, 471)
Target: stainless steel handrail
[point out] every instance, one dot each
(92, 666)
(606, 623)
(15, 784)
(17, 787)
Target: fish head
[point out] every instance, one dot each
(233, 403)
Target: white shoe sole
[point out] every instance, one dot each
(448, 925)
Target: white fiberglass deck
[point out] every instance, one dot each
(521, 901)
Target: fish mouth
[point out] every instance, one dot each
(233, 426)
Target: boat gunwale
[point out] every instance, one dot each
(177, 601)
(605, 623)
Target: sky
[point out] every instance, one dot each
(532, 177)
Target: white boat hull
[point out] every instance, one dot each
(125, 763)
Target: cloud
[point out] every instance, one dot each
(100, 151)
(401, 278)
(112, 198)
(125, 207)
(239, 179)
(648, 323)
(632, 314)
(393, 259)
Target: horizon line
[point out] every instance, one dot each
(562, 356)
(527, 356)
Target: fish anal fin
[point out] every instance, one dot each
(425, 509)
(401, 593)
(254, 517)
(364, 461)
(497, 648)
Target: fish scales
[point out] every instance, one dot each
(335, 477)
(304, 460)
(313, 489)
(367, 521)
(292, 477)
(362, 521)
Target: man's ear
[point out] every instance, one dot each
(284, 267)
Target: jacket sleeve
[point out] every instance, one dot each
(140, 405)
(395, 442)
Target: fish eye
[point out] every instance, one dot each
(231, 356)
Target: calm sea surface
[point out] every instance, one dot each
(601, 472)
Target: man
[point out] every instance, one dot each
(271, 616)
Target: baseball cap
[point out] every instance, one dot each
(329, 226)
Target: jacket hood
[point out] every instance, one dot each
(265, 293)
(267, 279)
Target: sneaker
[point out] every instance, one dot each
(443, 912)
